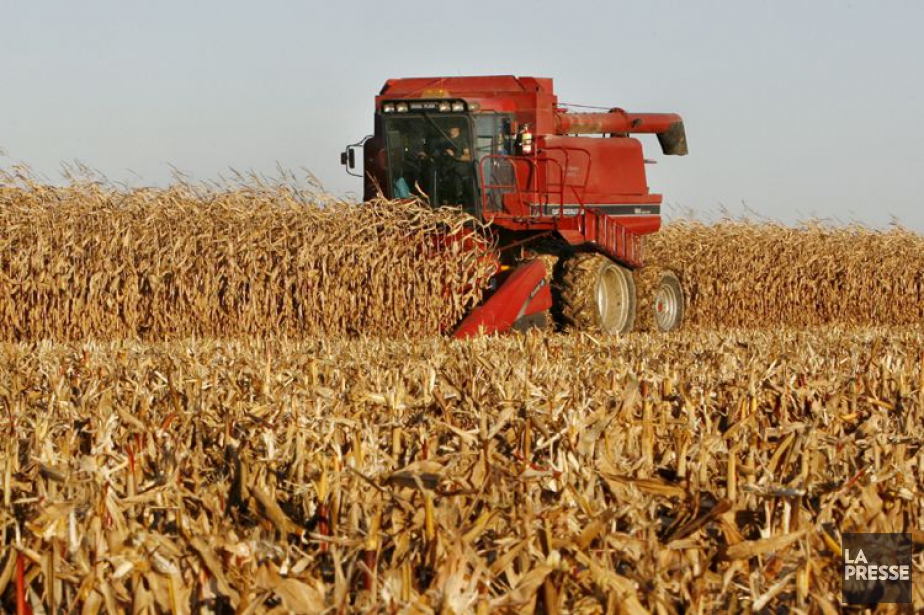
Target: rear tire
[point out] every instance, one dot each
(597, 295)
(668, 302)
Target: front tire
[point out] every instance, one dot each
(597, 295)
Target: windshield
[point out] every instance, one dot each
(431, 156)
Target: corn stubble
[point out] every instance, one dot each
(93, 261)
(698, 471)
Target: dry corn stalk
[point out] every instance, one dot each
(522, 472)
(91, 261)
(757, 274)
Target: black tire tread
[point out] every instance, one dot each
(578, 289)
(577, 292)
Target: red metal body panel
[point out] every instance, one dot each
(589, 190)
(531, 99)
(523, 294)
(603, 168)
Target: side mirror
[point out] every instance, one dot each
(348, 158)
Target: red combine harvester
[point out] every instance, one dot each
(508, 153)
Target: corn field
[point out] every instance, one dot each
(699, 471)
(92, 261)
(761, 274)
(240, 399)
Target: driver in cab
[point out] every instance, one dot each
(454, 146)
(454, 159)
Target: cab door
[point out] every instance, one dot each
(495, 172)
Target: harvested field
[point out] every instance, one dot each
(91, 261)
(759, 274)
(695, 471)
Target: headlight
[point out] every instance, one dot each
(401, 107)
(458, 107)
(445, 107)
(388, 108)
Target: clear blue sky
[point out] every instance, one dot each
(795, 108)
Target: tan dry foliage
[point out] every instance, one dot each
(92, 261)
(694, 472)
(756, 274)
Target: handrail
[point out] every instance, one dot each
(583, 185)
(533, 162)
(608, 233)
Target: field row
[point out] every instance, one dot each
(757, 274)
(90, 261)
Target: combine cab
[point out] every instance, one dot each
(565, 193)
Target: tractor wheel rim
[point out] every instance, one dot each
(666, 307)
(612, 299)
